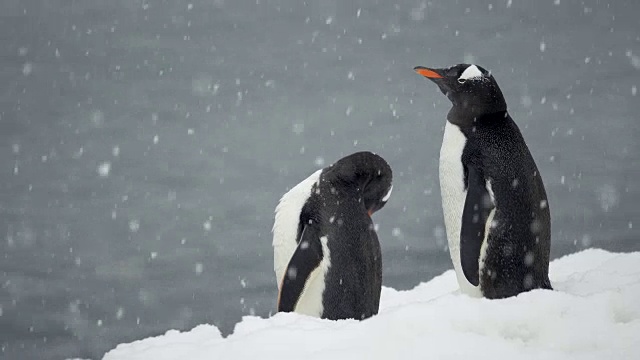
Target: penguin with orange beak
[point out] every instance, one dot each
(494, 202)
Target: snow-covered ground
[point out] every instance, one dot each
(593, 314)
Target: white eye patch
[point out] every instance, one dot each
(471, 73)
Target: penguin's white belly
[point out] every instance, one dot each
(453, 198)
(285, 227)
(310, 301)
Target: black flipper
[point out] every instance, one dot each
(477, 207)
(305, 259)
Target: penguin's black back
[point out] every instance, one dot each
(517, 256)
(353, 282)
(336, 209)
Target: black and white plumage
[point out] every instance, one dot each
(327, 256)
(494, 202)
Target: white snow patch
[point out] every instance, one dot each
(472, 72)
(592, 314)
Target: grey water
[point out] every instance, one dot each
(144, 144)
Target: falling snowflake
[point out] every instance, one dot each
(292, 272)
(586, 240)
(349, 110)
(199, 268)
(608, 197)
(97, 118)
(418, 12)
(134, 225)
(529, 258)
(27, 69)
(120, 313)
(634, 59)
(104, 169)
(297, 128)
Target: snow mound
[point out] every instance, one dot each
(594, 313)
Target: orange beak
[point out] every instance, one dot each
(428, 73)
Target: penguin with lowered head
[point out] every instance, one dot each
(495, 206)
(327, 256)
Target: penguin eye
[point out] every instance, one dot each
(462, 81)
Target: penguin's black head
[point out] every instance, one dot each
(472, 90)
(369, 174)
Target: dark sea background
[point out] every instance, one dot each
(144, 144)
